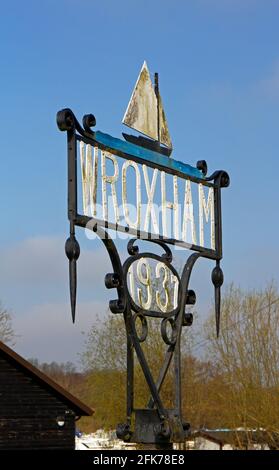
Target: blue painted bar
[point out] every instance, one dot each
(147, 155)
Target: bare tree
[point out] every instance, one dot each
(7, 334)
(247, 356)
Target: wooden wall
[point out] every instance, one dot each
(28, 413)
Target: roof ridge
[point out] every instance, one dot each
(45, 379)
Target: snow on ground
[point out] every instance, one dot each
(101, 440)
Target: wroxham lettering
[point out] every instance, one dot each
(136, 198)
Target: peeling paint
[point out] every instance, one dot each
(143, 108)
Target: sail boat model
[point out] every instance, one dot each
(145, 114)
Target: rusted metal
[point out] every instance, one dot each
(145, 111)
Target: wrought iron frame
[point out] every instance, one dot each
(155, 423)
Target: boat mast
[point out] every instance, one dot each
(156, 89)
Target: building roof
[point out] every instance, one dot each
(27, 368)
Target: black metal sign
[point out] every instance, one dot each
(92, 152)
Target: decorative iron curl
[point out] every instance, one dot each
(220, 177)
(164, 324)
(134, 249)
(67, 121)
(89, 121)
(117, 305)
(202, 166)
(144, 327)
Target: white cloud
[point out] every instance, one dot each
(42, 261)
(46, 331)
(35, 288)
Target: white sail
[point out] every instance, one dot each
(142, 111)
(164, 131)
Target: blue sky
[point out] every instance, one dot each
(218, 62)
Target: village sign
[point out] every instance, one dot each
(134, 188)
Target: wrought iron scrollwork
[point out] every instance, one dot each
(170, 340)
(144, 327)
(170, 425)
(67, 121)
(155, 423)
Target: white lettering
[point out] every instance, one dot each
(163, 306)
(89, 178)
(206, 208)
(126, 165)
(139, 208)
(170, 205)
(111, 180)
(150, 190)
(144, 276)
(188, 215)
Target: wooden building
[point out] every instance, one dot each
(35, 412)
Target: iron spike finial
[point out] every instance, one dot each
(217, 277)
(72, 250)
